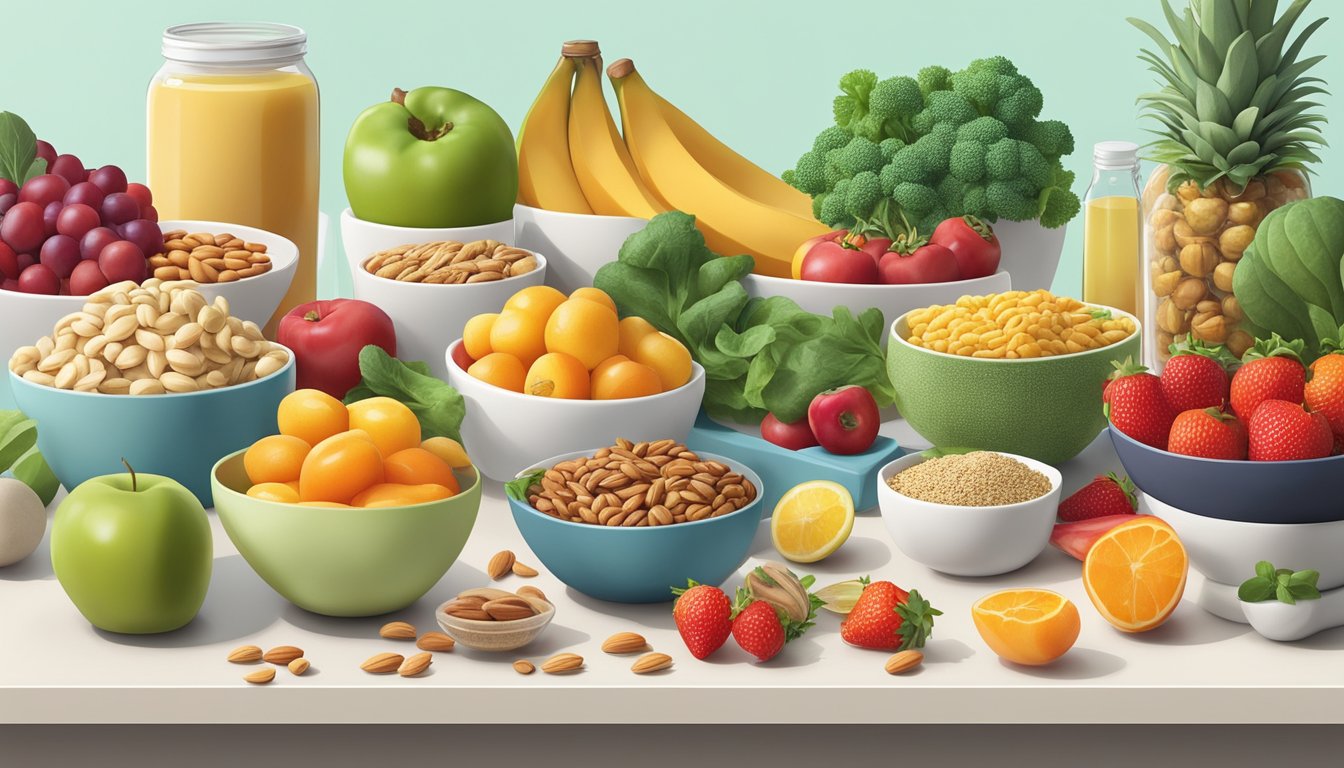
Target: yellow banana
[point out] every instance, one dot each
(731, 168)
(730, 221)
(602, 163)
(545, 174)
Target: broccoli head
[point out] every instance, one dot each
(952, 192)
(1010, 159)
(985, 130)
(909, 165)
(934, 78)
(833, 137)
(1057, 203)
(893, 103)
(833, 208)
(859, 155)
(851, 105)
(967, 161)
(918, 199)
(889, 148)
(976, 202)
(809, 175)
(1019, 102)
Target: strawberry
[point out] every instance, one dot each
(1324, 393)
(1285, 431)
(1271, 370)
(1135, 404)
(1195, 376)
(1208, 433)
(1105, 495)
(887, 617)
(703, 616)
(758, 629)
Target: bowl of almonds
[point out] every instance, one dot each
(488, 619)
(250, 267)
(431, 289)
(154, 373)
(629, 521)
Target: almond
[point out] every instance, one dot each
(903, 661)
(397, 630)
(561, 663)
(500, 564)
(532, 591)
(524, 667)
(435, 641)
(298, 666)
(509, 609)
(481, 594)
(651, 662)
(245, 654)
(526, 571)
(415, 664)
(282, 654)
(383, 663)
(261, 676)
(624, 642)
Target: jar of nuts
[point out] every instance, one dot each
(1193, 239)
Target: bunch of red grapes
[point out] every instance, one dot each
(74, 231)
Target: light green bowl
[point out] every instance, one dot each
(345, 562)
(1048, 408)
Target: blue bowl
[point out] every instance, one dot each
(640, 565)
(1242, 491)
(87, 434)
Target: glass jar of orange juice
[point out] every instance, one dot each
(233, 135)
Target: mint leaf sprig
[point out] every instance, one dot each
(1282, 584)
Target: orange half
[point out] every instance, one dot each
(1027, 626)
(1135, 574)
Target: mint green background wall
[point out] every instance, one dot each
(758, 74)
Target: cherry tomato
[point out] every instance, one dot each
(972, 242)
(795, 435)
(919, 262)
(839, 261)
(844, 420)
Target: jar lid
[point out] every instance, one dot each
(225, 42)
(1115, 154)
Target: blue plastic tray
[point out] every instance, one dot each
(781, 469)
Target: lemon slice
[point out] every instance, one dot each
(812, 520)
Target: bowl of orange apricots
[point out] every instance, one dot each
(347, 511)
(548, 373)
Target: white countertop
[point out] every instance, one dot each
(55, 668)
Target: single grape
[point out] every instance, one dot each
(8, 187)
(145, 234)
(49, 216)
(76, 220)
(141, 193)
(46, 152)
(149, 212)
(119, 208)
(69, 167)
(109, 178)
(9, 284)
(60, 254)
(93, 242)
(47, 188)
(39, 279)
(7, 202)
(87, 278)
(22, 227)
(87, 193)
(123, 260)
(9, 263)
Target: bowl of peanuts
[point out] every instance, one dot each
(431, 289)
(1017, 372)
(627, 522)
(152, 373)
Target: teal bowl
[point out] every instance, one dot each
(640, 565)
(87, 434)
(345, 562)
(1047, 408)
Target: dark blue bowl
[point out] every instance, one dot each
(1243, 491)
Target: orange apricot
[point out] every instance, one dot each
(476, 335)
(311, 415)
(626, 379)
(584, 330)
(556, 374)
(275, 459)
(339, 467)
(500, 369)
(417, 466)
(390, 424)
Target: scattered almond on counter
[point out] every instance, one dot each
(415, 664)
(435, 641)
(624, 642)
(298, 666)
(903, 661)
(524, 667)
(261, 676)
(282, 654)
(526, 571)
(397, 630)
(651, 662)
(382, 663)
(562, 663)
(500, 565)
(245, 654)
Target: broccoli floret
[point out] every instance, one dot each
(817, 203)
(834, 137)
(893, 103)
(985, 130)
(1019, 102)
(1034, 168)
(809, 175)
(976, 202)
(952, 191)
(915, 198)
(984, 82)
(831, 168)
(1058, 204)
(862, 194)
(1007, 201)
(859, 155)
(950, 107)
(936, 148)
(1051, 137)
(833, 208)
(1002, 160)
(967, 161)
(852, 105)
(934, 78)
(908, 165)
(889, 148)
(888, 178)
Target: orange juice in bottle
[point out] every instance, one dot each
(233, 135)
(1111, 227)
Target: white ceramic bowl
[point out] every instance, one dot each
(1226, 551)
(968, 541)
(893, 300)
(429, 317)
(361, 239)
(506, 432)
(1030, 253)
(577, 244)
(26, 317)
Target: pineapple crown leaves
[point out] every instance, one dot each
(916, 621)
(1234, 101)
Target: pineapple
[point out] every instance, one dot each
(1237, 132)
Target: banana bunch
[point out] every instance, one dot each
(572, 158)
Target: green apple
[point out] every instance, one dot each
(433, 157)
(133, 552)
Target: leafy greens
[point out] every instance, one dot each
(437, 405)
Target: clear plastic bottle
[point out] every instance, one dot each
(1112, 227)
